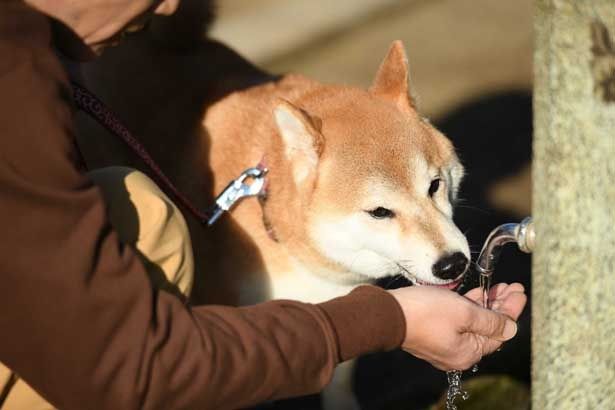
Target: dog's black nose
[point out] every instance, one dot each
(450, 266)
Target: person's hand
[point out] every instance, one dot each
(453, 332)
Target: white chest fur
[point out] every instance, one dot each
(297, 284)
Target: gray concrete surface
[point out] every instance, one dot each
(573, 338)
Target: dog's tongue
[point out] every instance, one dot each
(450, 286)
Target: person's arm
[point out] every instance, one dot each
(79, 319)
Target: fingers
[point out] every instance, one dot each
(496, 291)
(507, 299)
(489, 346)
(475, 295)
(490, 324)
(475, 347)
(503, 289)
(459, 332)
(511, 305)
(486, 329)
(499, 290)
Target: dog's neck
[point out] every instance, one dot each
(308, 286)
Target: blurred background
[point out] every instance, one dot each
(458, 49)
(471, 68)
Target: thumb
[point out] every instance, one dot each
(491, 324)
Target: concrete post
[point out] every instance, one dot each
(573, 291)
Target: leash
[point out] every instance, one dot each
(237, 189)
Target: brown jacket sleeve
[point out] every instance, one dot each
(79, 319)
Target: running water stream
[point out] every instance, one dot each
(454, 389)
(453, 377)
(522, 234)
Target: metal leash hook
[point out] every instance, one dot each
(250, 183)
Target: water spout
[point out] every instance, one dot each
(522, 234)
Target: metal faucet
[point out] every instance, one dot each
(522, 234)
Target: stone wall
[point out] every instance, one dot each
(573, 337)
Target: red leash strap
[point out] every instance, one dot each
(89, 103)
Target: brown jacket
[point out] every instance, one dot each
(79, 319)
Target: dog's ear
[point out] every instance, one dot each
(392, 79)
(301, 137)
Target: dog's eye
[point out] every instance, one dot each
(381, 213)
(434, 186)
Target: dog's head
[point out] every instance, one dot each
(362, 186)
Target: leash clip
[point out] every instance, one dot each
(250, 183)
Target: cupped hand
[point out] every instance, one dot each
(453, 332)
(503, 298)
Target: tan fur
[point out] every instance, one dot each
(333, 152)
(366, 135)
(352, 136)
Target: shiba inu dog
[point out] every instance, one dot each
(360, 185)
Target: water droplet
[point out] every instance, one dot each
(454, 389)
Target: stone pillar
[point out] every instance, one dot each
(573, 293)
